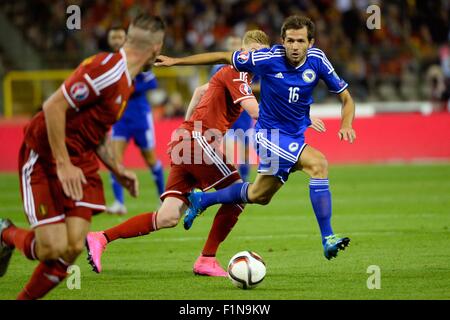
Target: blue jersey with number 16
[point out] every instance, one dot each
(286, 91)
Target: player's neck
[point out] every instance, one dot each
(296, 65)
(134, 62)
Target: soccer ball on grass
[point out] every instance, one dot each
(246, 269)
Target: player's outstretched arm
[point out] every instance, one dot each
(126, 178)
(196, 97)
(348, 114)
(197, 59)
(71, 177)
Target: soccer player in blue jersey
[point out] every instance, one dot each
(244, 122)
(137, 124)
(289, 74)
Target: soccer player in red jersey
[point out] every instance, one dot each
(196, 163)
(58, 165)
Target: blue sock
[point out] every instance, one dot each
(117, 189)
(244, 170)
(320, 195)
(236, 193)
(158, 176)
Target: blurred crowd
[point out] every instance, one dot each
(408, 58)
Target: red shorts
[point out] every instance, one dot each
(43, 198)
(202, 167)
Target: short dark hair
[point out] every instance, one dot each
(298, 22)
(148, 22)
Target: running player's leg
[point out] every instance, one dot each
(47, 240)
(77, 230)
(51, 244)
(224, 221)
(173, 205)
(167, 216)
(119, 141)
(260, 192)
(314, 163)
(263, 189)
(142, 224)
(57, 246)
(218, 174)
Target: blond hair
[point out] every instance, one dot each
(255, 36)
(145, 30)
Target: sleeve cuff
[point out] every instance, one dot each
(342, 89)
(68, 99)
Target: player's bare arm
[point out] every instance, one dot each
(197, 59)
(196, 97)
(126, 178)
(251, 106)
(71, 177)
(347, 133)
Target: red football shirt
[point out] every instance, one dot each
(97, 92)
(220, 106)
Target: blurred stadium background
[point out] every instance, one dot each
(399, 74)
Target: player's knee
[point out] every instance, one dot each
(319, 167)
(50, 251)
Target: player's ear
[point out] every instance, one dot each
(311, 43)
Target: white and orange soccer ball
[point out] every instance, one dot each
(246, 269)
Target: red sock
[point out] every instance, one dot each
(46, 276)
(225, 219)
(22, 239)
(134, 227)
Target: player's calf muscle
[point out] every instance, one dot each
(170, 212)
(167, 220)
(256, 196)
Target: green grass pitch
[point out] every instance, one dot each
(398, 217)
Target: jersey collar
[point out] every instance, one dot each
(124, 56)
(298, 67)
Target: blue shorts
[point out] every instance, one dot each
(143, 135)
(278, 153)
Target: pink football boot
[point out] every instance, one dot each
(95, 245)
(209, 266)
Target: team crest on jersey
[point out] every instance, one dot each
(293, 147)
(79, 91)
(308, 75)
(245, 89)
(243, 57)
